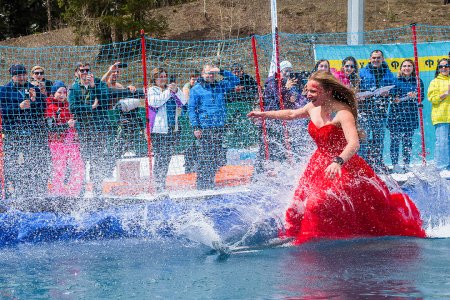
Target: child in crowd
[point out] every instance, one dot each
(67, 165)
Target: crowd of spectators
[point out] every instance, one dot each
(53, 131)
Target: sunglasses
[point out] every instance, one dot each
(443, 66)
(39, 73)
(349, 66)
(84, 70)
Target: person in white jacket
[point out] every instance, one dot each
(165, 101)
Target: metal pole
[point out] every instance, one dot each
(419, 93)
(355, 22)
(147, 121)
(260, 94)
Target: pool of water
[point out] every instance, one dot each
(179, 269)
(162, 249)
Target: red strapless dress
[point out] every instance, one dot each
(357, 204)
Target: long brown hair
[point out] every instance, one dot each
(339, 92)
(400, 73)
(154, 73)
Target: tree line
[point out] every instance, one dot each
(109, 20)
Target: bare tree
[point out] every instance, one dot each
(49, 15)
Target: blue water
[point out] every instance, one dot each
(142, 269)
(161, 249)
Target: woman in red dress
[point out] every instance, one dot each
(339, 195)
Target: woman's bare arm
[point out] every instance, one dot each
(348, 124)
(285, 114)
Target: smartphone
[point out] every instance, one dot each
(122, 65)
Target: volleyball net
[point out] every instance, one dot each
(131, 139)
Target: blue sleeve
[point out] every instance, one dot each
(193, 108)
(422, 90)
(364, 86)
(270, 96)
(101, 91)
(392, 80)
(229, 82)
(10, 106)
(38, 106)
(77, 106)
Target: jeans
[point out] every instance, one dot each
(371, 148)
(163, 147)
(210, 151)
(442, 147)
(405, 138)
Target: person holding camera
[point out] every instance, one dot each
(44, 85)
(24, 136)
(292, 98)
(164, 100)
(126, 100)
(88, 102)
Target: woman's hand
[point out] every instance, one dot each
(291, 83)
(255, 114)
(412, 95)
(32, 94)
(95, 105)
(131, 88)
(71, 123)
(173, 87)
(333, 171)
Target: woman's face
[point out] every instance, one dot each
(444, 67)
(61, 94)
(407, 68)
(161, 80)
(315, 93)
(323, 66)
(38, 75)
(349, 67)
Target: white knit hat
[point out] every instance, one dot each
(285, 64)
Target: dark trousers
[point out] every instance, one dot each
(190, 158)
(163, 145)
(128, 136)
(210, 157)
(371, 148)
(95, 150)
(26, 164)
(405, 138)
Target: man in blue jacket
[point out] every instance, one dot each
(373, 109)
(207, 115)
(89, 100)
(24, 137)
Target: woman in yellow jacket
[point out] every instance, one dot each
(439, 96)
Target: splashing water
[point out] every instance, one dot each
(234, 216)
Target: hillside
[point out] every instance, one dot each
(222, 19)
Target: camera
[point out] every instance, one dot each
(294, 75)
(172, 79)
(301, 77)
(122, 65)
